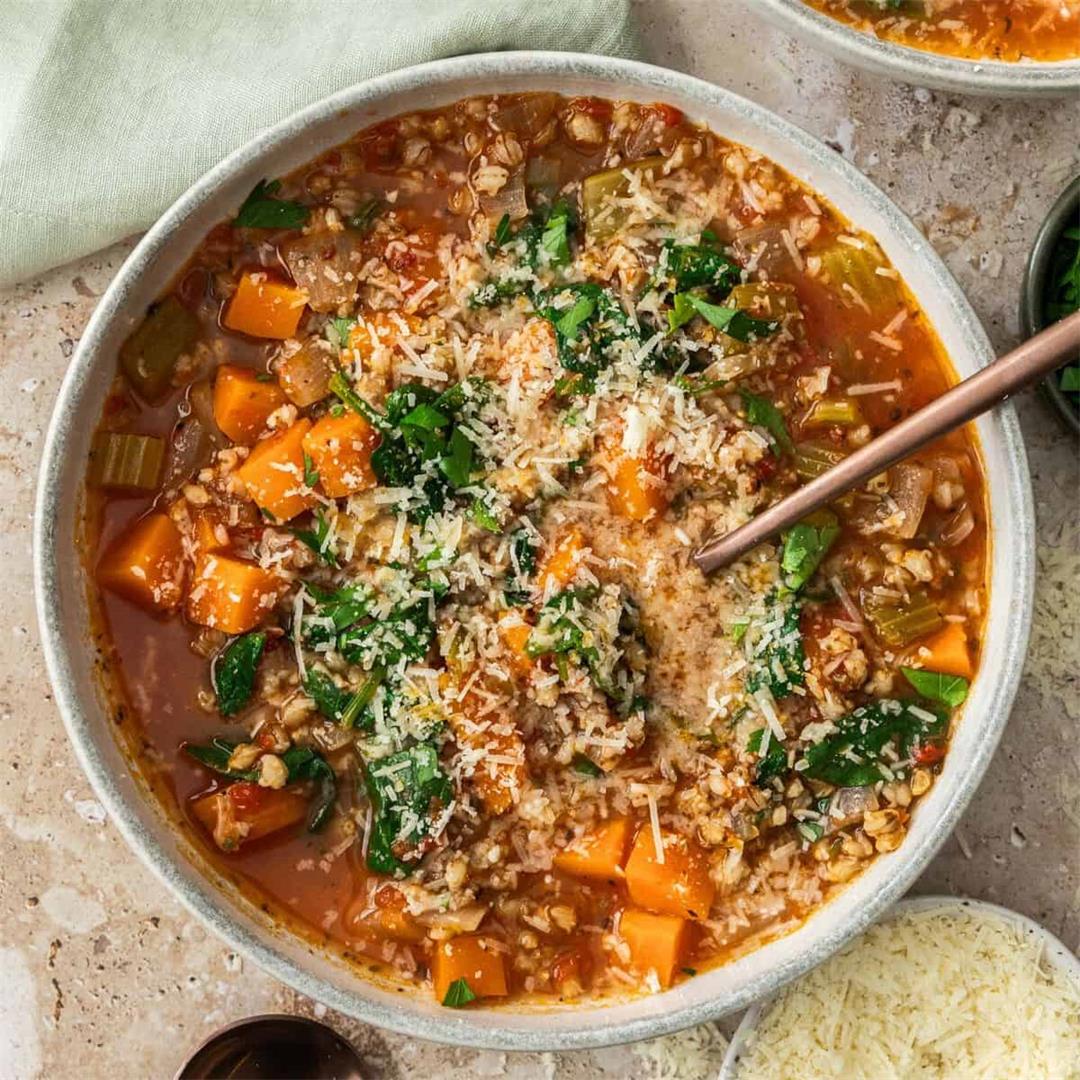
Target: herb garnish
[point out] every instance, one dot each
(261, 211)
(951, 690)
(773, 764)
(458, 993)
(763, 413)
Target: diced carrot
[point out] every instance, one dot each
(515, 636)
(473, 958)
(680, 885)
(146, 564)
(243, 402)
(636, 490)
(597, 854)
(244, 811)
(305, 374)
(340, 449)
(561, 565)
(210, 530)
(949, 651)
(274, 473)
(656, 942)
(230, 594)
(498, 773)
(265, 308)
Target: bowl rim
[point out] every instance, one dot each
(923, 67)
(210, 904)
(1058, 955)
(1065, 211)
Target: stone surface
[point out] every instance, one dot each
(103, 974)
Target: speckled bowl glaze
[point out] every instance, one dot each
(1057, 957)
(61, 575)
(919, 67)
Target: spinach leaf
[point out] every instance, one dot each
(316, 538)
(339, 386)
(555, 237)
(329, 698)
(523, 549)
(458, 993)
(502, 232)
(852, 756)
(301, 763)
(233, 672)
(261, 211)
(304, 763)
(773, 764)
(777, 649)
(1070, 380)
(365, 215)
(951, 690)
(409, 793)
(334, 612)
(587, 328)
(484, 515)
(764, 413)
(689, 266)
(586, 766)
(493, 293)
(729, 320)
(215, 755)
(805, 545)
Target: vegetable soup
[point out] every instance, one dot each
(392, 511)
(1009, 30)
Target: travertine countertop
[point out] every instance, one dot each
(103, 974)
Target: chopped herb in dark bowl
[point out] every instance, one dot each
(1051, 291)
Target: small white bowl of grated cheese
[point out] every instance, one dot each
(939, 988)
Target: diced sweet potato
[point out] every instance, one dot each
(210, 532)
(340, 448)
(265, 308)
(244, 811)
(305, 374)
(274, 473)
(680, 885)
(146, 564)
(515, 635)
(561, 565)
(380, 328)
(949, 651)
(636, 490)
(243, 402)
(471, 957)
(230, 594)
(656, 942)
(597, 854)
(494, 745)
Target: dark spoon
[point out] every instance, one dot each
(273, 1048)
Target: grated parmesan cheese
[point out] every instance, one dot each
(949, 994)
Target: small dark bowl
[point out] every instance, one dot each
(1065, 212)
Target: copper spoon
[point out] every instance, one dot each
(1027, 364)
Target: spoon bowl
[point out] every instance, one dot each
(274, 1048)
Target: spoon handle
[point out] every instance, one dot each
(993, 384)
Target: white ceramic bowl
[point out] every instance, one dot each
(917, 66)
(1057, 955)
(61, 583)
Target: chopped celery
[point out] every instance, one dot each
(769, 300)
(858, 268)
(811, 460)
(602, 217)
(149, 356)
(899, 624)
(126, 462)
(826, 412)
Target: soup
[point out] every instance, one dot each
(1009, 30)
(392, 511)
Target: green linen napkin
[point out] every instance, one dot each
(109, 109)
